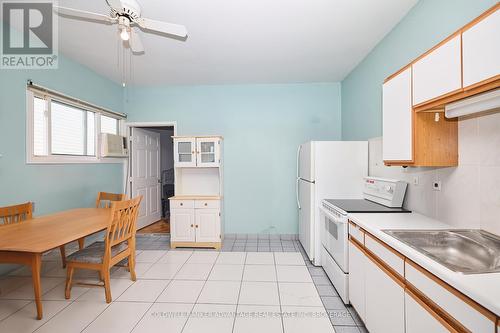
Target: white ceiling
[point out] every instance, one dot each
(238, 41)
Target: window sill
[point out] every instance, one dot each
(74, 160)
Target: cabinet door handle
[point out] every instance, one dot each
(196, 226)
(181, 204)
(192, 225)
(206, 204)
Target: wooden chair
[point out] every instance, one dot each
(18, 214)
(103, 200)
(118, 244)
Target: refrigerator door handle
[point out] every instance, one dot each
(297, 192)
(298, 160)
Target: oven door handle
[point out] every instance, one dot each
(331, 217)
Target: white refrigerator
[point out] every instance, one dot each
(326, 170)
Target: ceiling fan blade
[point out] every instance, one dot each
(116, 5)
(83, 14)
(163, 27)
(135, 42)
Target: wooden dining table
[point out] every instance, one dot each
(25, 242)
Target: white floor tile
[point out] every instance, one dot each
(24, 320)
(231, 258)
(293, 274)
(306, 319)
(260, 258)
(73, 318)
(251, 319)
(119, 317)
(299, 294)
(194, 272)
(181, 291)
(211, 318)
(140, 269)
(118, 286)
(143, 291)
(226, 273)
(164, 317)
(175, 257)
(26, 290)
(203, 257)
(220, 292)
(259, 273)
(150, 256)
(57, 293)
(289, 258)
(11, 283)
(161, 271)
(259, 293)
(8, 307)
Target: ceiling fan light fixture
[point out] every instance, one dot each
(125, 35)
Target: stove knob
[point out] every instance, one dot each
(388, 189)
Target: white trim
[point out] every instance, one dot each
(126, 126)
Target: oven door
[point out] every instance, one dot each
(334, 237)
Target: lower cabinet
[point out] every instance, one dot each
(357, 263)
(420, 318)
(195, 225)
(385, 300)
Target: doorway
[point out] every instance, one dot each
(150, 173)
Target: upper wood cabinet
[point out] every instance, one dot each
(481, 50)
(438, 73)
(397, 118)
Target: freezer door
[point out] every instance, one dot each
(306, 216)
(305, 161)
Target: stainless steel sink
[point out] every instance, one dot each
(464, 251)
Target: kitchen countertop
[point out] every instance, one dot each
(483, 288)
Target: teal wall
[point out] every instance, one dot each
(429, 22)
(52, 187)
(262, 127)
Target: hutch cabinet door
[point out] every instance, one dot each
(185, 152)
(208, 152)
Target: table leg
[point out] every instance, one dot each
(36, 264)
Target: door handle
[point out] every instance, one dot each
(297, 192)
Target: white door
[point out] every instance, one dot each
(305, 193)
(385, 301)
(357, 264)
(420, 319)
(438, 73)
(182, 225)
(207, 223)
(145, 174)
(397, 118)
(185, 152)
(207, 152)
(481, 50)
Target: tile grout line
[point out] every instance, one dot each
(279, 295)
(201, 290)
(239, 293)
(112, 303)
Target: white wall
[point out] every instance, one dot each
(470, 194)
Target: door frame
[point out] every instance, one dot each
(127, 126)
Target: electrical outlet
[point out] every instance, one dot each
(416, 180)
(436, 186)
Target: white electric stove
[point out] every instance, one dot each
(379, 196)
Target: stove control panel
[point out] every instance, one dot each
(388, 192)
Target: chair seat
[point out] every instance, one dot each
(95, 252)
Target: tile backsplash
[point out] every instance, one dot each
(470, 193)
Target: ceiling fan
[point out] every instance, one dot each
(127, 13)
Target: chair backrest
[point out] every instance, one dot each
(104, 199)
(122, 222)
(16, 213)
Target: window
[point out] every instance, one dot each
(61, 130)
